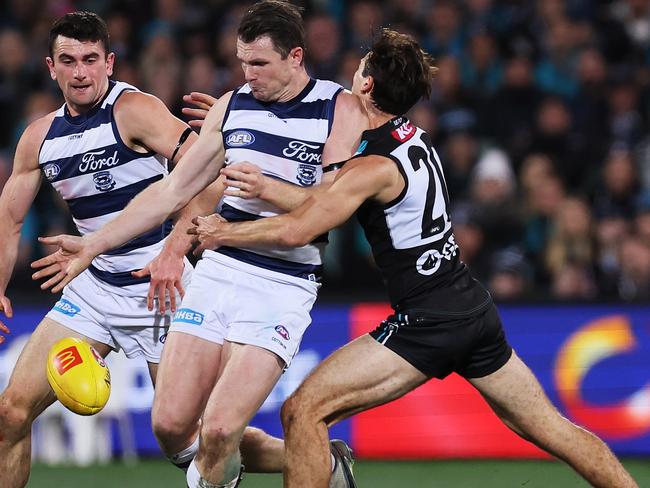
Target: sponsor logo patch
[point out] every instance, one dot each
(67, 359)
(51, 171)
(163, 338)
(188, 316)
(404, 132)
(240, 138)
(430, 261)
(90, 161)
(104, 181)
(303, 152)
(66, 307)
(306, 174)
(283, 332)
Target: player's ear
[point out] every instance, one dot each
(50, 67)
(368, 84)
(297, 56)
(110, 60)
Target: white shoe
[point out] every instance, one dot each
(342, 476)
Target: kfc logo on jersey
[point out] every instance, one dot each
(303, 152)
(51, 171)
(104, 180)
(90, 162)
(282, 331)
(404, 132)
(306, 174)
(240, 138)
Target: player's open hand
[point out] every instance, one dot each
(244, 180)
(5, 306)
(201, 103)
(208, 231)
(166, 271)
(64, 264)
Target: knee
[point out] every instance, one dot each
(15, 419)
(170, 429)
(218, 437)
(293, 409)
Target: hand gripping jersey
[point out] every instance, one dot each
(286, 140)
(86, 161)
(411, 237)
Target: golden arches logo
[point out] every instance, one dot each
(67, 359)
(582, 351)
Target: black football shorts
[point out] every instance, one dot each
(472, 346)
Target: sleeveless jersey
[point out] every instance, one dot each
(286, 140)
(412, 237)
(86, 161)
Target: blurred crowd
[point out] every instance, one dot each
(540, 114)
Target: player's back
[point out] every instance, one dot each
(97, 174)
(286, 140)
(412, 237)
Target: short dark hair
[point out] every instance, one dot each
(279, 20)
(82, 26)
(401, 70)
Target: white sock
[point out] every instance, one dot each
(194, 479)
(182, 459)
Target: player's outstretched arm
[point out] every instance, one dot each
(149, 209)
(361, 179)
(17, 196)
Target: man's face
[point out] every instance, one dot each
(267, 74)
(81, 69)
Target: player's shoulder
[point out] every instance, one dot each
(34, 134)
(350, 106)
(137, 103)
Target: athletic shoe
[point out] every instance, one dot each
(342, 476)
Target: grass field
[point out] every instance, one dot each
(369, 474)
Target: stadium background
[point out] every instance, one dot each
(540, 113)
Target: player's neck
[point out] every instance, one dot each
(75, 109)
(295, 87)
(376, 118)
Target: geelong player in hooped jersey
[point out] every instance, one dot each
(444, 321)
(107, 143)
(245, 311)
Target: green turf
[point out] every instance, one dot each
(369, 474)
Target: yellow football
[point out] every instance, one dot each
(79, 376)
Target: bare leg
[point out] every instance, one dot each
(519, 400)
(360, 375)
(186, 376)
(20, 405)
(248, 375)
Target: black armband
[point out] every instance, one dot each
(334, 167)
(181, 140)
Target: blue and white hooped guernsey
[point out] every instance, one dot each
(286, 140)
(97, 174)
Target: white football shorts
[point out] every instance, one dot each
(238, 302)
(120, 320)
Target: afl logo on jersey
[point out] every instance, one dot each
(240, 138)
(51, 171)
(104, 180)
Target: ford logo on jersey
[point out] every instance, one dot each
(66, 307)
(104, 180)
(240, 138)
(282, 330)
(51, 171)
(188, 316)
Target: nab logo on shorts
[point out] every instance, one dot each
(66, 307)
(240, 138)
(282, 331)
(188, 316)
